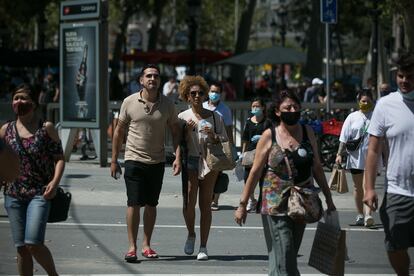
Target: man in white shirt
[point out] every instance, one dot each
(393, 120)
(170, 89)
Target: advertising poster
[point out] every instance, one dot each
(79, 72)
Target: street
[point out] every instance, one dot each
(93, 240)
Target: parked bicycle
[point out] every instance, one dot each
(327, 132)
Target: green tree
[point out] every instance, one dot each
(406, 9)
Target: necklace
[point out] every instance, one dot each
(288, 141)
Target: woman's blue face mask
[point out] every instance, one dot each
(214, 96)
(256, 111)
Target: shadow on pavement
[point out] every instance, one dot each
(227, 258)
(77, 176)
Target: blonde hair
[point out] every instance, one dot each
(187, 82)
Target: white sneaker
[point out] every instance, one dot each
(369, 221)
(202, 254)
(359, 220)
(251, 205)
(189, 245)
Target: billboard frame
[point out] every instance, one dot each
(95, 122)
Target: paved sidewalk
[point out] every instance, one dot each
(91, 184)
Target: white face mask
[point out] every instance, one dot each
(408, 96)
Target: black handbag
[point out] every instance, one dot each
(59, 205)
(353, 145)
(222, 183)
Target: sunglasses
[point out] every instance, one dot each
(195, 93)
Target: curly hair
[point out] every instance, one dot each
(187, 82)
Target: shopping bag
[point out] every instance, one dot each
(248, 158)
(219, 156)
(328, 250)
(342, 186)
(239, 171)
(333, 180)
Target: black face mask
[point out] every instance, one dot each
(290, 118)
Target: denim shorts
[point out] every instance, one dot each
(192, 163)
(28, 219)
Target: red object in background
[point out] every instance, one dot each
(176, 58)
(332, 127)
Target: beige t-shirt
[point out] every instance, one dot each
(147, 123)
(196, 144)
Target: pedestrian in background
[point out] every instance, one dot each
(393, 120)
(27, 199)
(216, 104)
(355, 127)
(144, 116)
(201, 126)
(385, 89)
(289, 149)
(253, 129)
(170, 89)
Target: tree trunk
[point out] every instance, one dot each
(341, 51)
(155, 27)
(315, 37)
(115, 86)
(243, 35)
(407, 11)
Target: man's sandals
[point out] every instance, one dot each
(149, 253)
(131, 256)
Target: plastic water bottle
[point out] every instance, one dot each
(118, 170)
(201, 125)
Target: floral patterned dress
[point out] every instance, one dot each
(282, 173)
(33, 177)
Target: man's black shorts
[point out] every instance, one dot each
(143, 182)
(397, 216)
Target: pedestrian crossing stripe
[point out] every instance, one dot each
(223, 227)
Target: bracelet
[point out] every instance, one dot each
(114, 162)
(242, 204)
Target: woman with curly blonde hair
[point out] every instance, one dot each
(199, 127)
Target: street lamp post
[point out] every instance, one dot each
(374, 51)
(193, 14)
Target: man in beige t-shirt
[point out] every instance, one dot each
(145, 115)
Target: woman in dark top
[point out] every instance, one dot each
(255, 125)
(289, 152)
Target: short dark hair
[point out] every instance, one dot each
(25, 88)
(150, 65)
(260, 100)
(405, 61)
(217, 84)
(364, 92)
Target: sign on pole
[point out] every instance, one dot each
(329, 15)
(329, 11)
(80, 74)
(84, 72)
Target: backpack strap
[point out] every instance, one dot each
(305, 137)
(214, 122)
